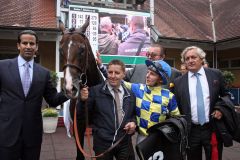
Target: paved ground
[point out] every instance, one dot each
(58, 146)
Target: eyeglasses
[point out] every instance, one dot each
(153, 54)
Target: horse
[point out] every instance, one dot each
(80, 69)
(80, 66)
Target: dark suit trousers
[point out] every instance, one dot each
(200, 137)
(20, 151)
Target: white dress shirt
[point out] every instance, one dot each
(192, 82)
(120, 93)
(21, 68)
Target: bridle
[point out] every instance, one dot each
(79, 82)
(81, 79)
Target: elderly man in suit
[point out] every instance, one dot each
(138, 73)
(23, 84)
(196, 92)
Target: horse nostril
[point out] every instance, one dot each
(74, 91)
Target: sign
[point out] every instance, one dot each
(78, 16)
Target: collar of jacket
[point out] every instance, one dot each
(105, 90)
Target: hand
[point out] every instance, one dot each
(217, 114)
(130, 127)
(84, 94)
(98, 59)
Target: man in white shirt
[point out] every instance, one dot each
(196, 92)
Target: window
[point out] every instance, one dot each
(223, 64)
(229, 63)
(235, 63)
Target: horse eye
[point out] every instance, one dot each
(81, 49)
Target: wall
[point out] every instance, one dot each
(45, 56)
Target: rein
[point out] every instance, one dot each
(80, 83)
(78, 140)
(75, 129)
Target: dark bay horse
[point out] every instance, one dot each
(80, 69)
(80, 66)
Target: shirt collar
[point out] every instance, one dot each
(149, 89)
(200, 71)
(22, 61)
(111, 88)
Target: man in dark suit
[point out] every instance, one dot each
(196, 92)
(138, 73)
(23, 84)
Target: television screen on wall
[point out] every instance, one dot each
(115, 33)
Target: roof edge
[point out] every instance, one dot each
(228, 39)
(185, 40)
(2, 27)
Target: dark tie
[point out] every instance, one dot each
(200, 101)
(26, 81)
(118, 106)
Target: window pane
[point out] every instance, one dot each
(235, 63)
(223, 64)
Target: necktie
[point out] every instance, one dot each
(200, 102)
(26, 81)
(118, 106)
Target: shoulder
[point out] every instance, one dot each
(40, 67)
(181, 78)
(98, 88)
(212, 71)
(6, 62)
(140, 66)
(42, 71)
(175, 72)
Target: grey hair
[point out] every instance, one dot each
(199, 52)
(105, 22)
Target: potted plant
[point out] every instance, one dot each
(50, 119)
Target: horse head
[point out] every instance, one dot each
(79, 62)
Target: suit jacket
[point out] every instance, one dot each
(181, 90)
(20, 115)
(139, 72)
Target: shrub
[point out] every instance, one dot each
(229, 78)
(49, 112)
(54, 78)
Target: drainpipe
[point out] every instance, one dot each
(214, 36)
(152, 12)
(57, 64)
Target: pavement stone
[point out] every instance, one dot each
(58, 146)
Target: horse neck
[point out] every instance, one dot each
(94, 77)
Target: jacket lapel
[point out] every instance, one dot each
(15, 76)
(210, 82)
(186, 90)
(35, 77)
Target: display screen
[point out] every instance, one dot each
(115, 33)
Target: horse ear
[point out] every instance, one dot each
(61, 26)
(85, 25)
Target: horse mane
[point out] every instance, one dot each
(93, 73)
